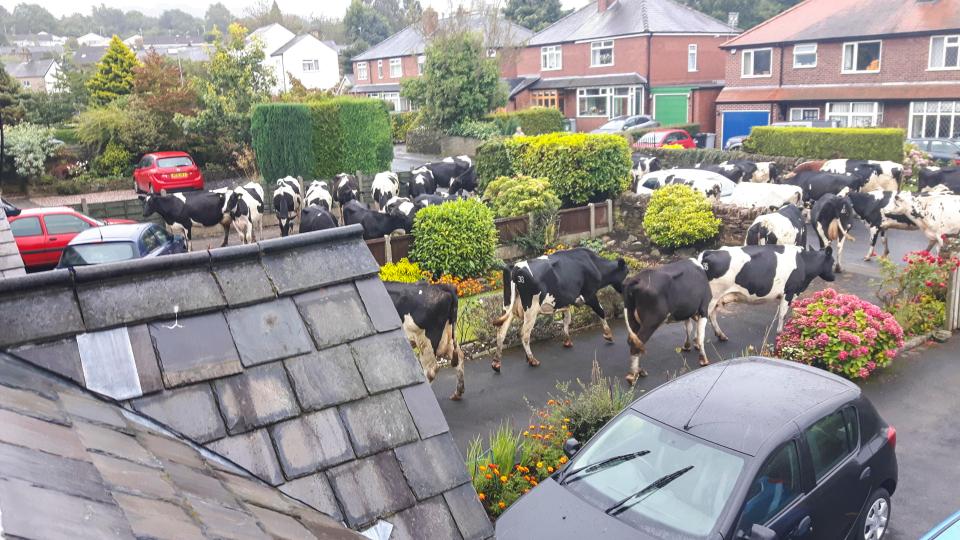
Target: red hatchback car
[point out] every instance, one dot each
(659, 138)
(42, 233)
(171, 171)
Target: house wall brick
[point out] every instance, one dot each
(629, 56)
(668, 60)
(703, 104)
(733, 70)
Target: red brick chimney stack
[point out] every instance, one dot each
(603, 5)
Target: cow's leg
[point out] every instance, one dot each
(701, 330)
(567, 317)
(504, 326)
(594, 304)
(712, 310)
(838, 264)
(886, 244)
(688, 327)
(782, 313)
(636, 350)
(529, 319)
(458, 358)
(872, 248)
(226, 234)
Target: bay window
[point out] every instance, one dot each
(610, 101)
(935, 119)
(551, 58)
(861, 57)
(944, 52)
(756, 63)
(855, 113)
(601, 53)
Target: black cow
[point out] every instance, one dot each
(832, 219)
(877, 211)
(426, 200)
(182, 211)
(375, 224)
(287, 201)
(422, 183)
(345, 188)
(456, 173)
(786, 226)
(679, 290)
(645, 164)
(817, 184)
(553, 283)
(757, 274)
(429, 315)
(930, 177)
(316, 218)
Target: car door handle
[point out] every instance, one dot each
(865, 474)
(52, 239)
(803, 528)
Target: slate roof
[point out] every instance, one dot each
(411, 41)
(88, 55)
(549, 83)
(293, 42)
(815, 20)
(285, 356)
(625, 17)
(31, 69)
(10, 262)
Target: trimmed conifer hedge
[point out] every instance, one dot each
(535, 120)
(282, 140)
(827, 143)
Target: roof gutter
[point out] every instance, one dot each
(753, 45)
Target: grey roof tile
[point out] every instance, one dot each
(428, 519)
(170, 450)
(380, 308)
(243, 282)
(386, 361)
(312, 442)
(109, 367)
(310, 265)
(39, 435)
(31, 404)
(33, 512)
(195, 349)
(371, 487)
(279, 526)
(257, 492)
(468, 512)
(92, 409)
(157, 519)
(114, 443)
(128, 477)
(334, 315)
(426, 413)
(378, 423)
(223, 522)
(432, 466)
(257, 397)
(252, 451)
(61, 357)
(191, 411)
(146, 358)
(79, 478)
(38, 315)
(326, 378)
(16, 373)
(314, 490)
(268, 331)
(200, 483)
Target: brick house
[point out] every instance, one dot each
(617, 57)
(377, 72)
(860, 62)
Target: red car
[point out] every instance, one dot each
(172, 171)
(659, 138)
(42, 233)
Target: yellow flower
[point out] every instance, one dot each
(502, 505)
(503, 479)
(539, 464)
(566, 420)
(549, 469)
(533, 426)
(483, 467)
(563, 459)
(526, 433)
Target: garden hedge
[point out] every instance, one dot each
(493, 161)
(635, 134)
(535, 120)
(678, 216)
(828, 143)
(511, 196)
(687, 158)
(282, 140)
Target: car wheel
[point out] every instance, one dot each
(876, 518)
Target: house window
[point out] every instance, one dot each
(601, 53)
(861, 57)
(935, 119)
(311, 65)
(361, 71)
(491, 53)
(805, 55)
(944, 52)
(396, 68)
(756, 63)
(26, 84)
(799, 114)
(379, 69)
(421, 61)
(856, 113)
(551, 58)
(545, 98)
(691, 57)
(609, 102)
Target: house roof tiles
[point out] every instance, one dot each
(30, 69)
(839, 92)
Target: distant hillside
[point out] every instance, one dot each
(752, 12)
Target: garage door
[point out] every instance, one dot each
(670, 109)
(736, 123)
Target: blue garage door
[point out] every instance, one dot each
(737, 123)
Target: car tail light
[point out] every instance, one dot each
(956, 162)
(892, 436)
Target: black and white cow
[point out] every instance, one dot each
(315, 217)
(345, 188)
(679, 290)
(318, 194)
(832, 219)
(554, 283)
(245, 206)
(818, 184)
(426, 200)
(455, 173)
(287, 201)
(403, 207)
(766, 196)
(757, 171)
(184, 211)
(880, 174)
(786, 227)
(727, 169)
(709, 183)
(875, 208)
(385, 186)
(375, 224)
(645, 164)
(930, 177)
(422, 183)
(757, 274)
(936, 214)
(429, 315)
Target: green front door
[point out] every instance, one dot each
(670, 109)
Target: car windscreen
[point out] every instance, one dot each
(699, 478)
(171, 162)
(613, 124)
(652, 137)
(106, 252)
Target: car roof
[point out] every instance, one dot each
(111, 233)
(741, 403)
(169, 154)
(45, 210)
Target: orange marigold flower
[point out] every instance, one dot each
(534, 483)
(563, 459)
(482, 497)
(488, 476)
(551, 402)
(503, 479)
(569, 434)
(502, 505)
(526, 490)
(549, 469)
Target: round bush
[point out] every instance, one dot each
(456, 238)
(511, 196)
(840, 333)
(114, 161)
(679, 216)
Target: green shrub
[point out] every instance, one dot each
(400, 123)
(114, 161)
(635, 134)
(456, 238)
(589, 409)
(511, 196)
(475, 129)
(533, 121)
(351, 134)
(827, 143)
(916, 293)
(581, 167)
(423, 140)
(690, 157)
(493, 161)
(67, 134)
(403, 271)
(507, 125)
(30, 145)
(282, 140)
(679, 216)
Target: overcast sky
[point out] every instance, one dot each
(329, 8)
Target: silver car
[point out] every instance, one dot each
(623, 123)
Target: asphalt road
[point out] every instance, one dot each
(917, 394)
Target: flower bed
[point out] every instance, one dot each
(405, 271)
(916, 293)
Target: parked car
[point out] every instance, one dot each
(736, 143)
(113, 243)
(171, 171)
(623, 123)
(940, 149)
(659, 138)
(948, 530)
(9, 209)
(42, 233)
(750, 448)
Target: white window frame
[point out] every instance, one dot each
(596, 48)
(313, 63)
(362, 71)
(398, 64)
(379, 69)
(953, 117)
(877, 114)
(855, 48)
(802, 110)
(421, 62)
(692, 58)
(945, 38)
(551, 51)
(744, 64)
(634, 95)
(813, 52)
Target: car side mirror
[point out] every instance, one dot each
(759, 532)
(571, 447)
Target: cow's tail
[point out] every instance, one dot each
(507, 296)
(457, 355)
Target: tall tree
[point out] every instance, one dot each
(218, 16)
(114, 75)
(11, 109)
(534, 14)
(31, 18)
(176, 21)
(75, 25)
(107, 20)
(366, 23)
(276, 16)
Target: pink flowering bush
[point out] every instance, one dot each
(840, 333)
(914, 159)
(916, 293)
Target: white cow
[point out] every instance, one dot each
(385, 186)
(935, 214)
(766, 196)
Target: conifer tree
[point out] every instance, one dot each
(114, 76)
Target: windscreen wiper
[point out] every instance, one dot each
(633, 499)
(587, 470)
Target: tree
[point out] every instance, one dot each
(71, 81)
(107, 20)
(176, 21)
(75, 25)
(218, 16)
(30, 145)
(275, 16)
(459, 81)
(157, 86)
(366, 23)
(114, 75)
(752, 12)
(32, 18)
(534, 14)
(11, 108)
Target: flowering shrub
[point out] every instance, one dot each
(30, 145)
(403, 271)
(916, 293)
(840, 333)
(914, 159)
(471, 286)
(678, 216)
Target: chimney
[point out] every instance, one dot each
(603, 5)
(733, 19)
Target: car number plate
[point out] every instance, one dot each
(178, 175)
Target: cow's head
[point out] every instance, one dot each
(618, 275)
(863, 174)
(773, 172)
(845, 215)
(820, 263)
(149, 203)
(902, 203)
(283, 205)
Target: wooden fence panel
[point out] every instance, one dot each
(510, 228)
(574, 220)
(378, 249)
(400, 246)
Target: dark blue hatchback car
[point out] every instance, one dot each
(751, 448)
